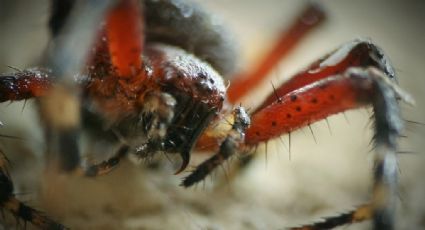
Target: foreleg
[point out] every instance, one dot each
(105, 166)
(228, 147)
(355, 88)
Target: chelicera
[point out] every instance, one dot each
(154, 78)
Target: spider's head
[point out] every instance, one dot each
(187, 95)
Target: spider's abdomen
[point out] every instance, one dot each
(187, 25)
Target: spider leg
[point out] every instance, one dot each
(311, 17)
(24, 84)
(105, 166)
(356, 87)
(9, 202)
(228, 147)
(361, 213)
(359, 52)
(124, 31)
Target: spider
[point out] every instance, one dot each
(172, 97)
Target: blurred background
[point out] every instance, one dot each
(318, 179)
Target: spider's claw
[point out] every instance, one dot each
(185, 161)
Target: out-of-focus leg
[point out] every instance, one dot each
(310, 18)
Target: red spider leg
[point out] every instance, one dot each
(24, 85)
(309, 19)
(306, 105)
(124, 29)
(116, 60)
(354, 88)
(313, 95)
(356, 53)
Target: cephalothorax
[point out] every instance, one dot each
(154, 78)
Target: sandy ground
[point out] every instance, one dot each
(319, 179)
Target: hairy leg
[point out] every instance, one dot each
(355, 88)
(9, 202)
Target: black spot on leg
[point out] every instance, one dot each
(274, 123)
(288, 115)
(314, 100)
(257, 133)
(293, 98)
(298, 108)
